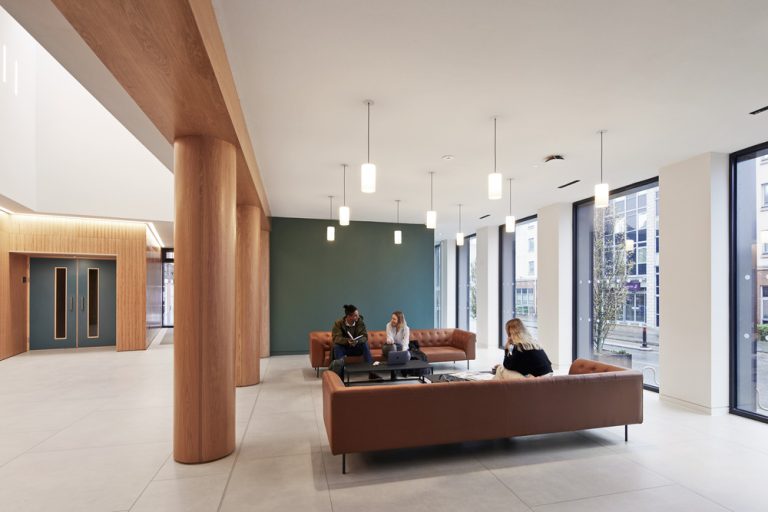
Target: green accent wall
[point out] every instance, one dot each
(311, 278)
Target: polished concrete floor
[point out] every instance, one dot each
(91, 431)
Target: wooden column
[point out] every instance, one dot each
(264, 284)
(248, 295)
(204, 347)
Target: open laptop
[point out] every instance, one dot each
(398, 357)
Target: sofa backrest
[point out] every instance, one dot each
(425, 337)
(370, 418)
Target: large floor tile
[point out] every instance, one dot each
(276, 434)
(174, 470)
(91, 479)
(295, 482)
(550, 482)
(14, 444)
(199, 494)
(671, 498)
(474, 490)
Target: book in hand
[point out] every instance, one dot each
(353, 341)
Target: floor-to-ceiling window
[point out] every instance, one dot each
(517, 273)
(167, 260)
(616, 250)
(749, 282)
(472, 242)
(438, 285)
(462, 286)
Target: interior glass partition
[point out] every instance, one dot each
(749, 282)
(616, 281)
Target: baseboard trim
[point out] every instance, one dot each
(710, 411)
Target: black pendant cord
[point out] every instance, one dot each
(398, 212)
(601, 156)
(510, 196)
(369, 132)
(494, 144)
(330, 210)
(432, 191)
(459, 218)
(345, 184)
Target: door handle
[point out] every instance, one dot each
(82, 306)
(72, 303)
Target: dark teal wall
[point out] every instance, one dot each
(311, 278)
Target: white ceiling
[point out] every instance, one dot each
(668, 80)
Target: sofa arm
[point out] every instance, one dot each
(465, 341)
(319, 343)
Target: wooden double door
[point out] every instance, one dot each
(72, 303)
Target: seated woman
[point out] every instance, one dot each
(523, 357)
(398, 334)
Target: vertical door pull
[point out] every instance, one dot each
(72, 303)
(82, 306)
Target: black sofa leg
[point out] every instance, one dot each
(626, 433)
(343, 463)
(467, 364)
(317, 371)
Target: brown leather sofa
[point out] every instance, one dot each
(370, 418)
(440, 345)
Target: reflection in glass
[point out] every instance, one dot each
(60, 303)
(93, 302)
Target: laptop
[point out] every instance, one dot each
(398, 357)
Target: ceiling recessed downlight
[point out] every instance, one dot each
(448, 157)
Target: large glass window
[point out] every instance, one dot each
(167, 259)
(438, 287)
(462, 286)
(617, 281)
(472, 242)
(749, 260)
(517, 267)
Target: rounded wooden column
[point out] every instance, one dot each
(248, 296)
(204, 299)
(264, 283)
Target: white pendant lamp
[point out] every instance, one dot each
(494, 178)
(602, 191)
(459, 235)
(431, 214)
(330, 231)
(344, 209)
(368, 170)
(398, 232)
(510, 221)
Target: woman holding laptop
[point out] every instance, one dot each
(398, 334)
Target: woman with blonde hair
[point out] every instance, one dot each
(523, 357)
(398, 334)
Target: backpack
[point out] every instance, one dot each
(416, 353)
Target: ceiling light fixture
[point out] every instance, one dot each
(448, 157)
(398, 233)
(368, 170)
(510, 220)
(555, 159)
(459, 234)
(494, 178)
(431, 214)
(344, 209)
(330, 231)
(155, 234)
(602, 191)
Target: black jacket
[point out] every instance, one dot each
(528, 362)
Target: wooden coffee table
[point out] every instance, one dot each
(413, 364)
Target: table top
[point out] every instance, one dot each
(413, 364)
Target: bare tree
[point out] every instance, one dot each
(609, 275)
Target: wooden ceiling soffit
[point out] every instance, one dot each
(170, 58)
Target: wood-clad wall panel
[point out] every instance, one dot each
(6, 349)
(19, 270)
(248, 296)
(264, 285)
(125, 241)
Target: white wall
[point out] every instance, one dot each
(17, 113)
(555, 282)
(62, 152)
(694, 302)
(487, 261)
(448, 278)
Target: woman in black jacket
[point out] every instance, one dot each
(523, 357)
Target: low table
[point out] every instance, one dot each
(413, 364)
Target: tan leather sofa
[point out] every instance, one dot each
(440, 345)
(370, 418)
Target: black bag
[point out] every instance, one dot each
(417, 354)
(337, 367)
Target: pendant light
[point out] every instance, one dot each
(344, 209)
(330, 231)
(431, 214)
(494, 178)
(602, 191)
(459, 234)
(398, 232)
(510, 223)
(368, 170)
